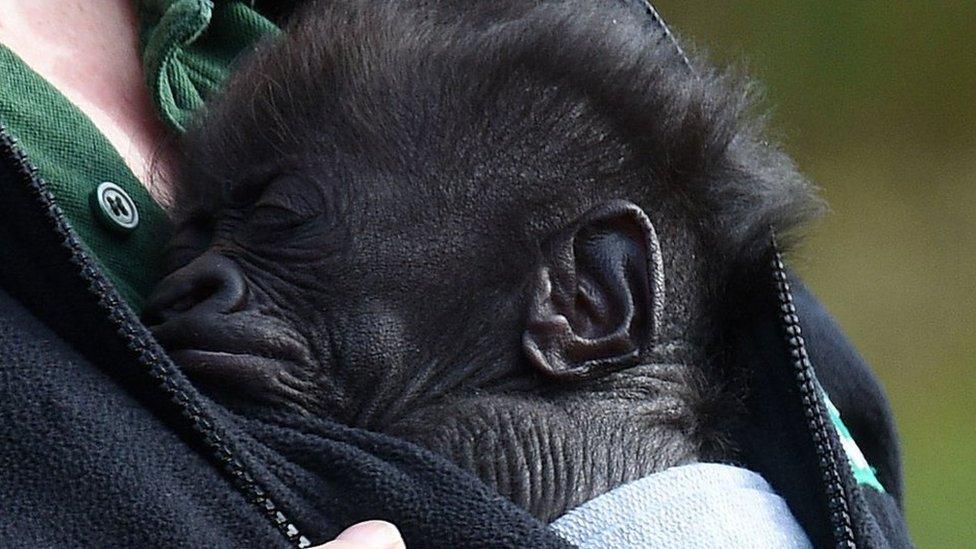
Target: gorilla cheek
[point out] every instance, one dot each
(376, 364)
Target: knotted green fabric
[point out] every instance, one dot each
(189, 47)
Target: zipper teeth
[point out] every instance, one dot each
(813, 408)
(668, 35)
(148, 351)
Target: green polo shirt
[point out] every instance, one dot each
(188, 47)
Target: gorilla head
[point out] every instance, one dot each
(503, 230)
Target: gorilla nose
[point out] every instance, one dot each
(210, 284)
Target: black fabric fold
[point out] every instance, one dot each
(332, 476)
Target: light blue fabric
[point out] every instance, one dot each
(690, 506)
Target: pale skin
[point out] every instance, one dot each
(89, 51)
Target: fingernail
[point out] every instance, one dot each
(375, 534)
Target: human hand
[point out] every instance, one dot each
(371, 534)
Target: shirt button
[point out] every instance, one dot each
(114, 207)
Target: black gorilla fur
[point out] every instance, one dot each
(382, 185)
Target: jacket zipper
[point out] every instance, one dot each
(146, 349)
(659, 21)
(813, 408)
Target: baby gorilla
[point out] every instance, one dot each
(506, 231)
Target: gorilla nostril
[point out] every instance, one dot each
(211, 283)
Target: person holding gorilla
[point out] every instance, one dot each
(492, 271)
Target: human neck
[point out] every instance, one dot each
(89, 51)
(549, 455)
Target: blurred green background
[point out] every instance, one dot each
(877, 103)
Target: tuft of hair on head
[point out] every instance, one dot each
(369, 77)
(701, 131)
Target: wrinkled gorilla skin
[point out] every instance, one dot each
(503, 230)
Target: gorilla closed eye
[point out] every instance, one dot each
(286, 204)
(278, 218)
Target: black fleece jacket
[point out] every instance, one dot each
(104, 443)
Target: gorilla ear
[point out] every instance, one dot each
(598, 296)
